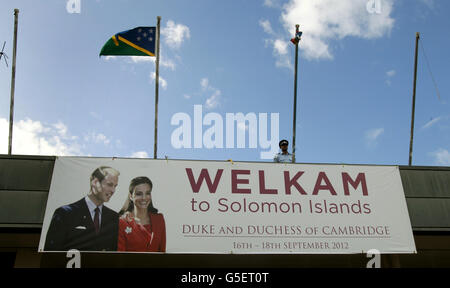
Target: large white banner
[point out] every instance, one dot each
(225, 207)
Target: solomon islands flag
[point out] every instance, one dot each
(139, 41)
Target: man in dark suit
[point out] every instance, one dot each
(87, 225)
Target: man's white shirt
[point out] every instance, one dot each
(283, 158)
(91, 206)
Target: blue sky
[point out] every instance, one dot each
(355, 77)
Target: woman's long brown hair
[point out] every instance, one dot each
(129, 205)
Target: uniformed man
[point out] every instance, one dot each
(284, 156)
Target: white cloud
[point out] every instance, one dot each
(95, 115)
(97, 138)
(281, 52)
(204, 83)
(431, 122)
(372, 136)
(101, 138)
(265, 24)
(175, 34)
(280, 47)
(141, 59)
(107, 58)
(272, 3)
(391, 73)
(325, 21)
(139, 154)
(163, 61)
(441, 156)
(168, 63)
(61, 129)
(213, 100)
(34, 138)
(162, 81)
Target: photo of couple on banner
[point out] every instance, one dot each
(88, 225)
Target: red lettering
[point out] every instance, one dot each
(262, 185)
(360, 179)
(204, 175)
(288, 183)
(327, 186)
(235, 181)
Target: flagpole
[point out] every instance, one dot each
(13, 82)
(156, 87)
(295, 95)
(414, 100)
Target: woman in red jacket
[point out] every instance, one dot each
(141, 227)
